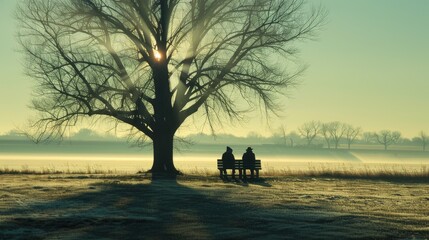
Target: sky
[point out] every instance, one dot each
(369, 67)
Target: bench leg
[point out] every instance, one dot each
(257, 173)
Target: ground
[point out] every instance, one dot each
(197, 207)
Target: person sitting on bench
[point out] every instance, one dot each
(249, 162)
(228, 161)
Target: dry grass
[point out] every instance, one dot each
(52, 170)
(342, 171)
(349, 171)
(319, 170)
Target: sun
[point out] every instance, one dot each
(157, 55)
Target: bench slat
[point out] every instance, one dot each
(239, 164)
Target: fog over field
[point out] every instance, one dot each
(119, 155)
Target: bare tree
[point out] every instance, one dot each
(387, 137)
(151, 64)
(280, 136)
(309, 131)
(293, 137)
(425, 139)
(337, 130)
(332, 132)
(422, 139)
(368, 137)
(351, 134)
(283, 134)
(324, 130)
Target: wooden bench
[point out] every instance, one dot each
(240, 166)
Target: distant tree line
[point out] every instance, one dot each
(316, 134)
(313, 134)
(332, 134)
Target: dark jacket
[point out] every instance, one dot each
(249, 158)
(228, 159)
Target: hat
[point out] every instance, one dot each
(228, 148)
(249, 149)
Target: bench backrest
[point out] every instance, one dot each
(239, 164)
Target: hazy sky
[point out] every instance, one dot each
(369, 67)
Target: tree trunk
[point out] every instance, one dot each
(163, 113)
(163, 155)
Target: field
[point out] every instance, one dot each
(107, 206)
(91, 191)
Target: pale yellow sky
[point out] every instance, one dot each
(368, 68)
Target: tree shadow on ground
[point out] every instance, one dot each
(166, 209)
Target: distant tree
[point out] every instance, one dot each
(405, 141)
(86, 134)
(293, 138)
(151, 64)
(336, 131)
(387, 138)
(368, 137)
(309, 131)
(422, 139)
(284, 138)
(254, 134)
(325, 130)
(14, 135)
(283, 134)
(351, 134)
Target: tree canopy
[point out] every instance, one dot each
(153, 63)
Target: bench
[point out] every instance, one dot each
(241, 167)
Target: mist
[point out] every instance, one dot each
(119, 155)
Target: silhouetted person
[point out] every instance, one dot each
(228, 161)
(249, 162)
